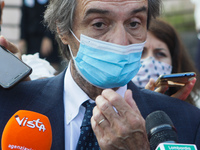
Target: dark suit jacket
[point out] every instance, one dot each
(46, 97)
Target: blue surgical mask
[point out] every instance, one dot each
(107, 65)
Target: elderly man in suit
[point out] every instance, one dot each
(103, 39)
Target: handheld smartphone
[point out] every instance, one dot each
(176, 79)
(12, 69)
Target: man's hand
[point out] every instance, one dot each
(181, 94)
(123, 128)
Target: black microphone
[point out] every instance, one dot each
(160, 129)
(162, 134)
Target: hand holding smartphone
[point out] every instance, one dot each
(12, 69)
(176, 79)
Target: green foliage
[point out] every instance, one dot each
(182, 21)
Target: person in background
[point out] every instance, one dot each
(119, 29)
(164, 53)
(197, 26)
(34, 36)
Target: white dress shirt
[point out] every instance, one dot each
(74, 96)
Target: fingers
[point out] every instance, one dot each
(162, 89)
(99, 118)
(150, 85)
(105, 109)
(185, 91)
(3, 41)
(113, 107)
(128, 98)
(95, 119)
(117, 122)
(98, 122)
(110, 100)
(10, 46)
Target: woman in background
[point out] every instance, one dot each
(164, 53)
(34, 36)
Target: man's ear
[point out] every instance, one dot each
(62, 37)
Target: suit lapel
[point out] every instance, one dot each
(139, 99)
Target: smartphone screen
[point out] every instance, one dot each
(12, 69)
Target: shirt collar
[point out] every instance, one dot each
(74, 96)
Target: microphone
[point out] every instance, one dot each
(27, 130)
(162, 134)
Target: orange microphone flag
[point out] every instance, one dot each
(27, 130)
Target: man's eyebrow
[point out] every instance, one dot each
(142, 9)
(101, 11)
(95, 10)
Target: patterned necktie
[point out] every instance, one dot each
(87, 139)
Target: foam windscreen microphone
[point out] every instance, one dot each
(160, 129)
(162, 133)
(27, 130)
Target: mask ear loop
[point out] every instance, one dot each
(73, 58)
(70, 51)
(68, 44)
(74, 35)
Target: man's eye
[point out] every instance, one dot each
(99, 25)
(134, 24)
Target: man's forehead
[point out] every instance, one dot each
(115, 0)
(114, 7)
(85, 3)
(119, 0)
